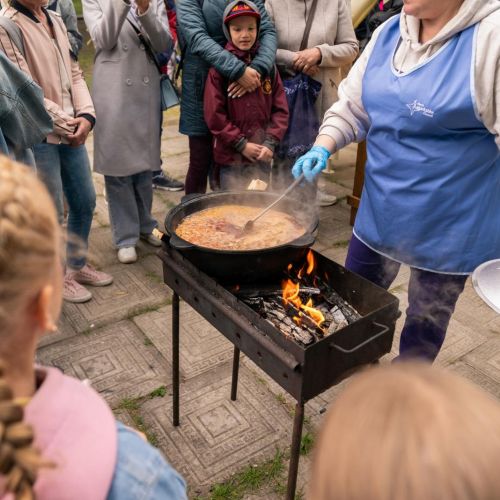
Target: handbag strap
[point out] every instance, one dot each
(309, 21)
(147, 46)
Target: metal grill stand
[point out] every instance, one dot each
(303, 373)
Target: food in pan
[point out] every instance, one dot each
(221, 228)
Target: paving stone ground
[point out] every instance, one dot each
(121, 341)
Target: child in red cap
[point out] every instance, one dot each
(246, 129)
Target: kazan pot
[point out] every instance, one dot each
(234, 267)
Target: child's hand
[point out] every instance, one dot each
(252, 151)
(266, 155)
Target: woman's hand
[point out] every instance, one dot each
(249, 82)
(82, 129)
(312, 71)
(312, 163)
(306, 59)
(142, 6)
(252, 151)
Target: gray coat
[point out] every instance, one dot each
(331, 32)
(126, 86)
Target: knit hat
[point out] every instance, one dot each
(241, 9)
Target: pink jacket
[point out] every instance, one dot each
(76, 430)
(42, 64)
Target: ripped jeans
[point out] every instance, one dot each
(431, 299)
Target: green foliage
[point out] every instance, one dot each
(160, 392)
(306, 443)
(250, 479)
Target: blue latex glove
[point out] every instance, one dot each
(312, 163)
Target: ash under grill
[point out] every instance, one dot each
(358, 327)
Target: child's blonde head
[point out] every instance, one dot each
(29, 243)
(411, 432)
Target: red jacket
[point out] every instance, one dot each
(260, 117)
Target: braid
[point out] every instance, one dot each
(28, 231)
(19, 460)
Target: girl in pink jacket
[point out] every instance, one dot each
(84, 453)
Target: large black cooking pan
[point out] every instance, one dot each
(242, 266)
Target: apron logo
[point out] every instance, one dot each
(418, 107)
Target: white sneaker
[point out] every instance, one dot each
(151, 239)
(127, 255)
(324, 199)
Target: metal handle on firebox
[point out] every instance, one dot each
(385, 329)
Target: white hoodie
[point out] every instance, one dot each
(347, 121)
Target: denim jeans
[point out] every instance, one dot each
(66, 170)
(130, 199)
(431, 299)
(141, 472)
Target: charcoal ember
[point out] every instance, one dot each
(339, 320)
(334, 299)
(254, 302)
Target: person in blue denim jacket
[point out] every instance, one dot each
(24, 121)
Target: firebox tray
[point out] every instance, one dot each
(303, 371)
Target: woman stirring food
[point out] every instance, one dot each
(424, 94)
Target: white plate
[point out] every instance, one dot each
(486, 281)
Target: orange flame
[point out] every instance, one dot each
(291, 295)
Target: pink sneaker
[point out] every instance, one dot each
(73, 291)
(88, 275)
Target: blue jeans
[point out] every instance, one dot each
(66, 170)
(130, 199)
(431, 299)
(141, 472)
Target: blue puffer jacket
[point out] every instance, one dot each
(201, 30)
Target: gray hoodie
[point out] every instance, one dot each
(347, 121)
(228, 9)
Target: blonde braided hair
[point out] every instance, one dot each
(19, 460)
(28, 239)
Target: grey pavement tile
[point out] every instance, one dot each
(134, 289)
(472, 311)
(218, 436)
(460, 338)
(334, 224)
(477, 377)
(202, 347)
(114, 358)
(174, 145)
(64, 331)
(486, 359)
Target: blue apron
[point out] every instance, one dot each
(431, 197)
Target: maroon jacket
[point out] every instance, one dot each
(260, 117)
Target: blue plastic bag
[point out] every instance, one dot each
(303, 124)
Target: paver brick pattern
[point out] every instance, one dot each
(121, 341)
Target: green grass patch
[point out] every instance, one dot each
(306, 443)
(160, 392)
(341, 244)
(129, 404)
(250, 479)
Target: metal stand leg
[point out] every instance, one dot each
(295, 451)
(175, 358)
(234, 380)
